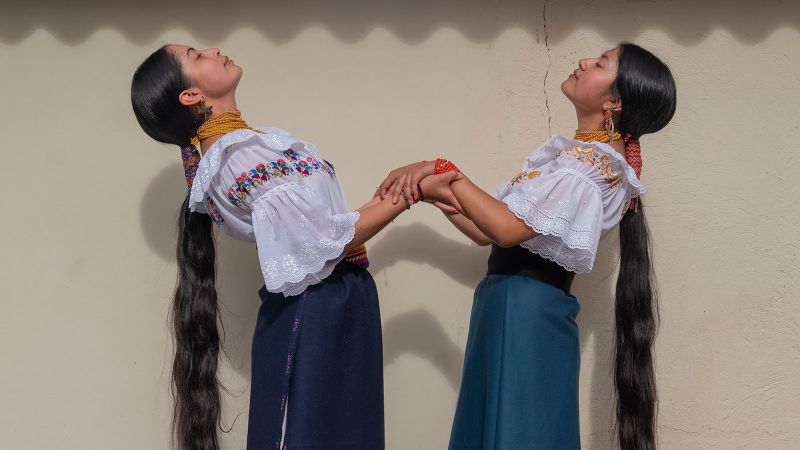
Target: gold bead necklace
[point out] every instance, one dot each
(599, 136)
(221, 124)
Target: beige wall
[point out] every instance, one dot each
(89, 202)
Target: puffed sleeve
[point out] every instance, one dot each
(299, 235)
(565, 209)
(231, 220)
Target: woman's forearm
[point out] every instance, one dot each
(491, 216)
(469, 228)
(374, 216)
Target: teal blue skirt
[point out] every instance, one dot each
(520, 380)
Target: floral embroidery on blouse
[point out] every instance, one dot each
(304, 166)
(214, 212)
(600, 161)
(525, 176)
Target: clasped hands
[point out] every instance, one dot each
(416, 182)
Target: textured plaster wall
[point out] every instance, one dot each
(89, 202)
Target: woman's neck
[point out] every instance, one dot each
(206, 143)
(592, 122)
(217, 109)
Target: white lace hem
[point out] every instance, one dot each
(545, 222)
(292, 274)
(573, 259)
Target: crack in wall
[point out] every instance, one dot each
(547, 71)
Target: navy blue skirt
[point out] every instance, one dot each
(520, 382)
(318, 356)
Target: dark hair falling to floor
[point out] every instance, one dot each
(635, 331)
(196, 390)
(647, 89)
(195, 387)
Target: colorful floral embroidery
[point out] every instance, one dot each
(525, 176)
(306, 166)
(213, 211)
(303, 165)
(600, 161)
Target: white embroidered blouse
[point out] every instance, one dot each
(275, 190)
(572, 193)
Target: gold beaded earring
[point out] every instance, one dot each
(608, 124)
(204, 110)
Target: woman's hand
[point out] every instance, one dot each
(436, 190)
(404, 181)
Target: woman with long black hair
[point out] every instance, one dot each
(520, 378)
(317, 342)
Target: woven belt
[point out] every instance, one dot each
(357, 256)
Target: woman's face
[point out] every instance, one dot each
(589, 86)
(211, 74)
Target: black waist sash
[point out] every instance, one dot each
(517, 260)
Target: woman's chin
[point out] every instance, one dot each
(238, 74)
(565, 87)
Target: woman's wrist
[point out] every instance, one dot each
(443, 166)
(429, 168)
(406, 202)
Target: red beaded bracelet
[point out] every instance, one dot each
(443, 165)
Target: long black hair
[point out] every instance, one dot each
(647, 90)
(195, 387)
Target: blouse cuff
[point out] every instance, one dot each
(543, 221)
(292, 272)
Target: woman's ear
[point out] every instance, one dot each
(614, 105)
(190, 97)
